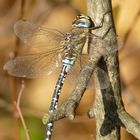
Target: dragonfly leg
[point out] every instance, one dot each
(100, 26)
(101, 23)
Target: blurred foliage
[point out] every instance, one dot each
(36, 98)
(35, 127)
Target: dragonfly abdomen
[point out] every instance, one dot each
(58, 87)
(55, 98)
(68, 62)
(67, 65)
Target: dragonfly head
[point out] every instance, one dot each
(83, 21)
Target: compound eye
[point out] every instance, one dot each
(82, 21)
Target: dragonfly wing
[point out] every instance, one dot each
(80, 63)
(36, 36)
(109, 46)
(33, 65)
(75, 71)
(104, 81)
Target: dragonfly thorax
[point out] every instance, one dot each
(68, 37)
(74, 41)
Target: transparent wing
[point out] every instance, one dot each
(80, 63)
(34, 65)
(75, 71)
(109, 46)
(42, 56)
(36, 36)
(105, 83)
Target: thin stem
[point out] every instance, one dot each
(13, 88)
(17, 104)
(13, 80)
(8, 107)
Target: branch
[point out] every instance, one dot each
(13, 79)
(17, 104)
(26, 111)
(109, 110)
(130, 124)
(67, 109)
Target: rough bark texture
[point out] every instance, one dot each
(67, 109)
(108, 109)
(107, 121)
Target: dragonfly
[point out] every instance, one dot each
(49, 49)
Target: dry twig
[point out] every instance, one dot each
(109, 110)
(13, 82)
(17, 104)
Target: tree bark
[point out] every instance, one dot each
(108, 109)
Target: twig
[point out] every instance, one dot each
(67, 109)
(130, 124)
(91, 113)
(20, 93)
(13, 88)
(22, 8)
(109, 110)
(20, 113)
(13, 80)
(107, 121)
(26, 111)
